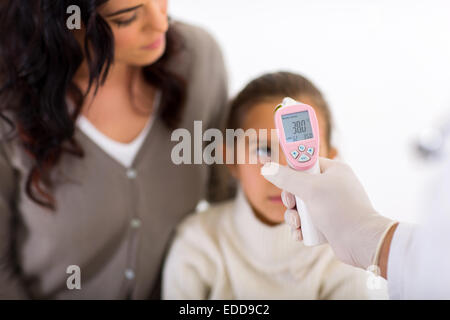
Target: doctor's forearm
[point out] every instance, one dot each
(384, 253)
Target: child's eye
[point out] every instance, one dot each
(263, 153)
(123, 23)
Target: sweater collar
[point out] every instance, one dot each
(269, 246)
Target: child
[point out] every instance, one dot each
(241, 249)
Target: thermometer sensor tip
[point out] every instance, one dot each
(288, 101)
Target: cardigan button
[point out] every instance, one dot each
(135, 223)
(129, 274)
(131, 173)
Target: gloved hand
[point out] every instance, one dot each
(339, 208)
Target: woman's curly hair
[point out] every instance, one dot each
(39, 57)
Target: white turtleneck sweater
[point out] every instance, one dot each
(225, 252)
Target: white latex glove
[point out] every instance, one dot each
(339, 208)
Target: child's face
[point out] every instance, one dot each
(263, 196)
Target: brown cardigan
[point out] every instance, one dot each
(114, 224)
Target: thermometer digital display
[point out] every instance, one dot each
(298, 133)
(297, 126)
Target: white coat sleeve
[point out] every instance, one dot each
(419, 259)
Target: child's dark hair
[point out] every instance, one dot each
(273, 85)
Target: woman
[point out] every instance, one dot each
(86, 121)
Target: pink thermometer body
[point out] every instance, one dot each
(298, 133)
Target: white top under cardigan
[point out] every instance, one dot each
(225, 252)
(124, 153)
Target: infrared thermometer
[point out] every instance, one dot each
(298, 133)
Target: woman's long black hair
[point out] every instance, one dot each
(39, 57)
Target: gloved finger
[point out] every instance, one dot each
(296, 234)
(292, 218)
(296, 182)
(288, 199)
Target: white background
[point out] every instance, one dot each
(384, 67)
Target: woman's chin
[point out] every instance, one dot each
(152, 57)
